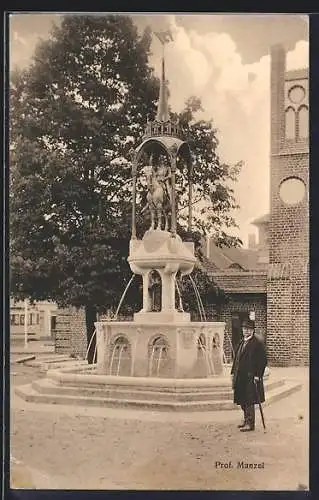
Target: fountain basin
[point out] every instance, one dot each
(159, 250)
(176, 350)
(82, 385)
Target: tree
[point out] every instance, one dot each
(75, 114)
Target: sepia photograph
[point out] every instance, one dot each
(158, 215)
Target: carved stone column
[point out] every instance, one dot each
(168, 291)
(173, 151)
(146, 296)
(134, 174)
(190, 195)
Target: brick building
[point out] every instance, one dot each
(269, 281)
(288, 289)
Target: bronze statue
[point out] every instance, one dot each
(159, 192)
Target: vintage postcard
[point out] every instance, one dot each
(159, 248)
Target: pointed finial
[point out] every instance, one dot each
(162, 111)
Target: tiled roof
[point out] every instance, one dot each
(218, 256)
(246, 258)
(241, 282)
(228, 258)
(261, 220)
(208, 264)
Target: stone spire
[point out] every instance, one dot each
(162, 109)
(162, 125)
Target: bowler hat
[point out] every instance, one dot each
(248, 323)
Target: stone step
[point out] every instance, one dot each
(81, 374)
(50, 387)
(62, 362)
(290, 387)
(49, 361)
(28, 393)
(95, 381)
(32, 348)
(25, 359)
(52, 357)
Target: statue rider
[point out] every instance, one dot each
(159, 195)
(163, 176)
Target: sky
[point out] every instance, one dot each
(223, 59)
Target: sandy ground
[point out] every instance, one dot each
(94, 448)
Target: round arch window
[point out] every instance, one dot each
(296, 94)
(292, 191)
(158, 345)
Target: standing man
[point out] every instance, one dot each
(247, 371)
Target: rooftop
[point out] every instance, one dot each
(261, 220)
(234, 259)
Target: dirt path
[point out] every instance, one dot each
(99, 449)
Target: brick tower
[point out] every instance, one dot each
(288, 280)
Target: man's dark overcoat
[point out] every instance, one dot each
(249, 362)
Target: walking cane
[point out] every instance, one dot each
(260, 407)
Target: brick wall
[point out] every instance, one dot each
(70, 335)
(277, 98)
(289, 233)
(288, 293)
(241, 281)
(242, 303)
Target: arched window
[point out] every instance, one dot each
(290, 123)
(216, 341)
(158, 357)
(201, 342)
(303, 122)
(120, 357)
(155, 291)
(203, 364)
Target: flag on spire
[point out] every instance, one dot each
(164, 36)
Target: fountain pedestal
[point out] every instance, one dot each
(159, 252)
(160, 343)
(180, 350)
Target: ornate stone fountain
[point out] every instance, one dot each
(167, 338)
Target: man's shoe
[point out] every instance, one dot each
(247, 428)
(240, 426)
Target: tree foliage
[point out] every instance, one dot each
(213, 198)
(75, 113)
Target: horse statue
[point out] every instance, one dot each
(159, 193)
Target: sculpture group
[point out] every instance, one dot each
(159, 195)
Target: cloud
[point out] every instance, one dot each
(18, 38)
(22, 48)
(195, 60)
(237, 97)
(299, 57)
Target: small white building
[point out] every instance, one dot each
(41, 319)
